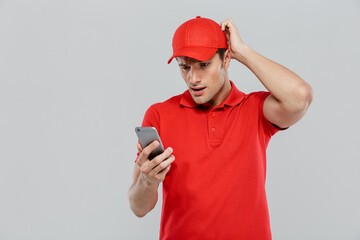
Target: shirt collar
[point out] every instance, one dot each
(234, 98)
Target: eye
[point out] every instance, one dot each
(204, 64)
(185, 67)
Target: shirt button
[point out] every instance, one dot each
(212, 115)
(213, 129)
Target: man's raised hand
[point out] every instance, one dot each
(235, 42)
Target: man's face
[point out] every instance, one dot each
(205, 79)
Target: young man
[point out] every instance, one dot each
(216, 187)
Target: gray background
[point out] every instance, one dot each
(77, 76)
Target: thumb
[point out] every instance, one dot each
(139, 147)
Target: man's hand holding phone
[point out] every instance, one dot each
(155, 170)
(150, 170)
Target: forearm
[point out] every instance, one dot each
(286, 87)
(143, 197)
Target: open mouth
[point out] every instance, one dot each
(198, 91)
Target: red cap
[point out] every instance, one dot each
(198, 38)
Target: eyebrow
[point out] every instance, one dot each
(194, 61)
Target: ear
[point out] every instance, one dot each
(227, 59)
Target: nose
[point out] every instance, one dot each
(194, 76)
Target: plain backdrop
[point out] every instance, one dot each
(77, 76)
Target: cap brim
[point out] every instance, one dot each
(198, 53)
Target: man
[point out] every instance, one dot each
(216, 187)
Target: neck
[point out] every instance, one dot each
(223, 93)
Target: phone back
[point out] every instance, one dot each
(147, 135)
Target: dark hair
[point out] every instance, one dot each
(221, 52)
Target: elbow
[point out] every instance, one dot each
(138, 213)
(307, 94)
(303, 98)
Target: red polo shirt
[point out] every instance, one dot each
(215, 189)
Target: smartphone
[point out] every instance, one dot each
(147, 135)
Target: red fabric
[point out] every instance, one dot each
(198, 38)
(215, 189)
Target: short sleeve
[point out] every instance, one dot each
(152, 118)
(269, 127)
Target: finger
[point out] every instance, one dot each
(163, 165)
(150, 165)
(158, 172)
(162, 174)
(139, 147)
(144, 155)
(223, 25)
(161, 157)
